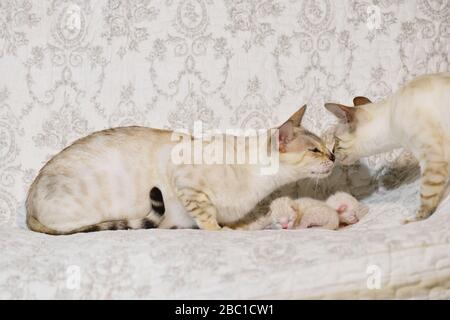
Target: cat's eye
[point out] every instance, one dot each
(315, 150)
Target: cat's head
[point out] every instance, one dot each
(283, 213)
(350, 132)
(303, 150)
(349, 209)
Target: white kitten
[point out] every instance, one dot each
(302, 213)
(341, 208)
(349, 209)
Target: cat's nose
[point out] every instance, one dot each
(285, 225)
(332, 157)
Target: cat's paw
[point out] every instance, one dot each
(410, 220)
(420, 216)
(209, 225)
(423, 214)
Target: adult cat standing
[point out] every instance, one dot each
(102, 182)
(417, 118)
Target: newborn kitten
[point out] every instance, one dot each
(349, 209)
(303, 213)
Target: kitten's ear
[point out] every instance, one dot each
(342, 208)
(297, 117)
(360, 101)
(341, 111)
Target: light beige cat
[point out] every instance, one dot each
(417, 118)
(102, 182)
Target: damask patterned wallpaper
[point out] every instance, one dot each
(70, 67)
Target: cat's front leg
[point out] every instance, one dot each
(199, 207)
(433, 182)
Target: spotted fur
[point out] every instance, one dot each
(103, 182)
(417, 118)
(152, 220)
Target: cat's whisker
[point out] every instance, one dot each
(316, 185)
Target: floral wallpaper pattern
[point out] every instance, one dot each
(70, 67)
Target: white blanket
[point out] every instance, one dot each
(376, 258)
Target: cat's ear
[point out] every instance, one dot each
(297, 117)
(286, 131)
(285, 135)
(360, 101)
(341, 111)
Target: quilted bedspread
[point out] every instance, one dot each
(377, 258)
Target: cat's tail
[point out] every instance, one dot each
(148, 222)
(152, 220)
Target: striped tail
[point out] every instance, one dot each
(156, 201)
(152, 220)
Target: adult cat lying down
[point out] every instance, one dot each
(102, 181)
